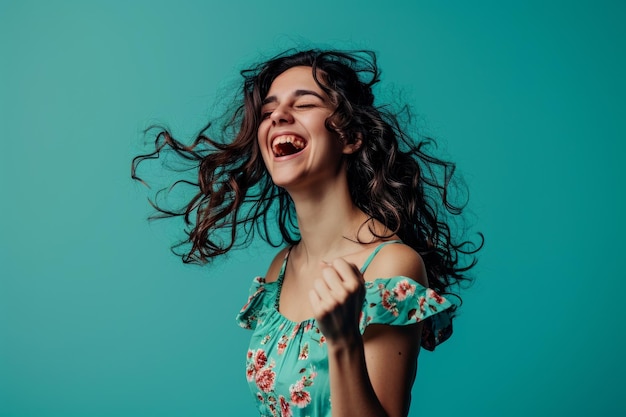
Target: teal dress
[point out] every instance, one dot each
(287, 362)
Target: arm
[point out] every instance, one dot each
(370, 375)
(373, 376)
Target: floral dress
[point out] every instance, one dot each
(287, 362)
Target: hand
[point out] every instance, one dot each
(337, 299)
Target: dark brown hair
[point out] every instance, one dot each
(392, 177)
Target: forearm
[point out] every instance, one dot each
(351, 391)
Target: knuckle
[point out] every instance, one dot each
(352, 286)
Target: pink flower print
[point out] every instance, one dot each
(388, 303)
(282, 344)
(298, 386)
(422, 304)
(432, 294)
(259, 290)
(322, 340)
(271, 403)
(385, 299)
(295, 330)
(260, 359)
(272, 407)
(250, 370)
(250, 373)
(285, 407)
(307, 381)
(304, 352)
(308, 326)
(265, 379)
(299, 397)
(402, 289)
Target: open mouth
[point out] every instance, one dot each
(284, 145)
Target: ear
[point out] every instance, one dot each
(355, 145)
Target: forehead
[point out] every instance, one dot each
(295, 78)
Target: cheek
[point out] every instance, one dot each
(261, 135)
(261, 143)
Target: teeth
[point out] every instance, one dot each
(280, 148)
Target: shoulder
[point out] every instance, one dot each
(274, 270)
(397, 259)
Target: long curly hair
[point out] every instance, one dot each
(392, 177)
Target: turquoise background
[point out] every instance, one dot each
(97, 318)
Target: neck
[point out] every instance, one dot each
(329, 223)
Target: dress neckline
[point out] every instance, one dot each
(281, 276)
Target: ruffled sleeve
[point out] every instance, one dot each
(252, 311)
(401, 301)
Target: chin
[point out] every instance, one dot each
(281, 181)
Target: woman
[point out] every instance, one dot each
(341, 313)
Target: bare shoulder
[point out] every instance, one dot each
(277, 263)
(397, 259)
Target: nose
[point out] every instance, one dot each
(281, 115)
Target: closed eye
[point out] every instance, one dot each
(266, 112)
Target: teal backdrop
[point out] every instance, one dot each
(99, 319)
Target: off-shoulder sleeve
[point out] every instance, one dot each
(251, 312)
(402, 301)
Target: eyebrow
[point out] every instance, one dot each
(297, 93)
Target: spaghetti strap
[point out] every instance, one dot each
(281, 274)
(374, 252)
